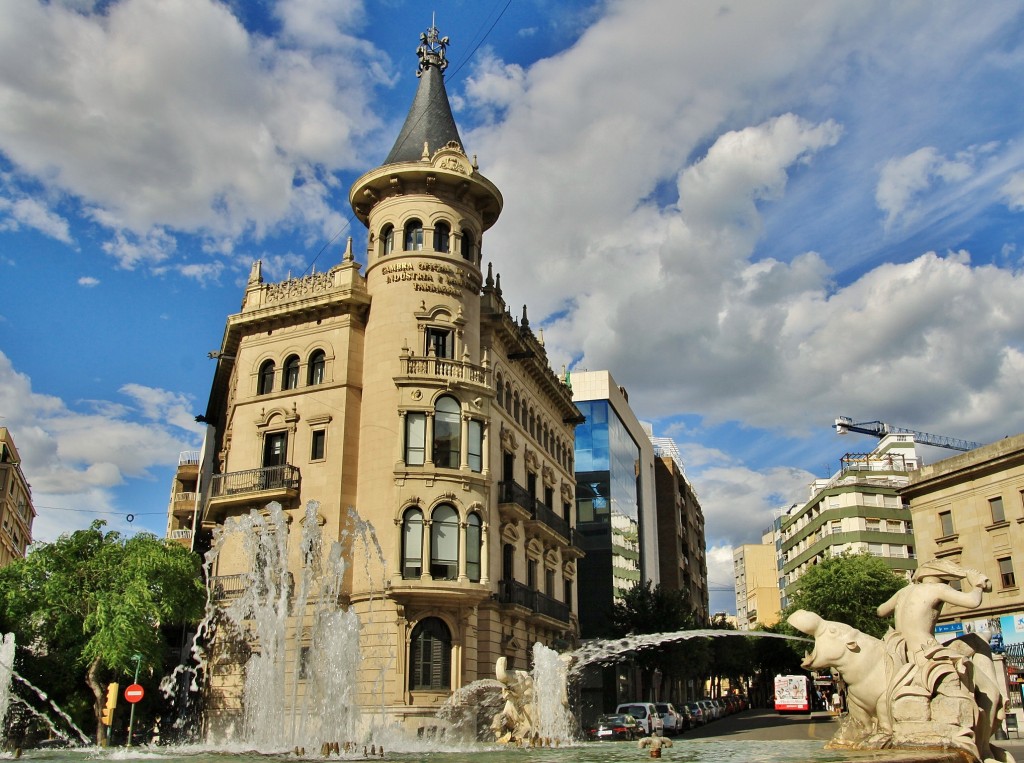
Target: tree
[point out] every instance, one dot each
(847, 588)
(93, 600)
(643, 609)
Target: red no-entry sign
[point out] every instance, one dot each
(134, 693)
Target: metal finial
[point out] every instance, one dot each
(432, 50)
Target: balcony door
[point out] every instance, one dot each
(275, 449)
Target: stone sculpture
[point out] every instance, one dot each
(907, 690)
(514, 723)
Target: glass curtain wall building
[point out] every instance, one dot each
(614, 488)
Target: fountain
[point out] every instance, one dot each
(908, 691)
(6, 671)
(276, 713)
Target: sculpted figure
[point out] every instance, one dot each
(908, 690)
(514, 724)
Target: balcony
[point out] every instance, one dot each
(228, 586)
(514, 593)
(183, 503)
(253, 486)
(445, 369)
(547, 522)
(514, 501)
(184, 537)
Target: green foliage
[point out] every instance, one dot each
(651, 610)
(847, 588)
(90, 601)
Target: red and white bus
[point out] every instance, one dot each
(792, 694)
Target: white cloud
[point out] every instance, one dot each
(32, 213)
(75, 459)
(166, 115)
(1013, 192)
(88, 282)
(903, 179)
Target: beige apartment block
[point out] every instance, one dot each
(757, 585)
(16, 510)
(408, 397)
(970, 509)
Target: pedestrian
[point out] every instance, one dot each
(837, 703)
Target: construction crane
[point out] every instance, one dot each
(879, 429)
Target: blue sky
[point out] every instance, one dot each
(758, 216)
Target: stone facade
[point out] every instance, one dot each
(969, 509)
(406, 397)
(16, 510)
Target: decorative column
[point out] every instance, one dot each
(485, 578)
(463, 576)
(464, 442)
(425, 551)
(428, 437)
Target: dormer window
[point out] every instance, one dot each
(442, 237)
(413, 236)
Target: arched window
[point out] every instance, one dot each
(533, 424)
(265, 384)
(501, 391)
(317, 362)
(442, 236)
(447, 433)
(515, 405)
(508, 395)
(444, 543)
(387, 237)
(474, 540)
(291, 372)
(412, 543)
(467, 245)
(413, 236)
(430, 658)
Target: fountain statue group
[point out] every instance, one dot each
(907, 690)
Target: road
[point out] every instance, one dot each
(767, 725)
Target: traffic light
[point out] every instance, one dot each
(108, 708)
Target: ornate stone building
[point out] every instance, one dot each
(410, 394)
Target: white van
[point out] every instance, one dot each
(646, 715)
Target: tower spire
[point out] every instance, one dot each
(430, 122)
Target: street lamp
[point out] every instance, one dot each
(131, 716)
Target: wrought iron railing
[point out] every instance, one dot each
(514, 592)
(284, 477)
(512, 492)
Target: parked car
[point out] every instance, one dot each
(697, 713)
(670, 717)
(686, 715)
(710, 709)
(615, 727)
(646, 714)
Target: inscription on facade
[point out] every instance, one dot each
(434, 277)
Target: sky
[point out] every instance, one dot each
(757, 216)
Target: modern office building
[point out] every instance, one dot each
(969, 509)
(757, 587)
(859, 509)
(16, 510)
(406, 399)
(615, 503)
(682, 547)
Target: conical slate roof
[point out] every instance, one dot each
(430, 119)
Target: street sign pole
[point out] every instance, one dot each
(131, 715)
